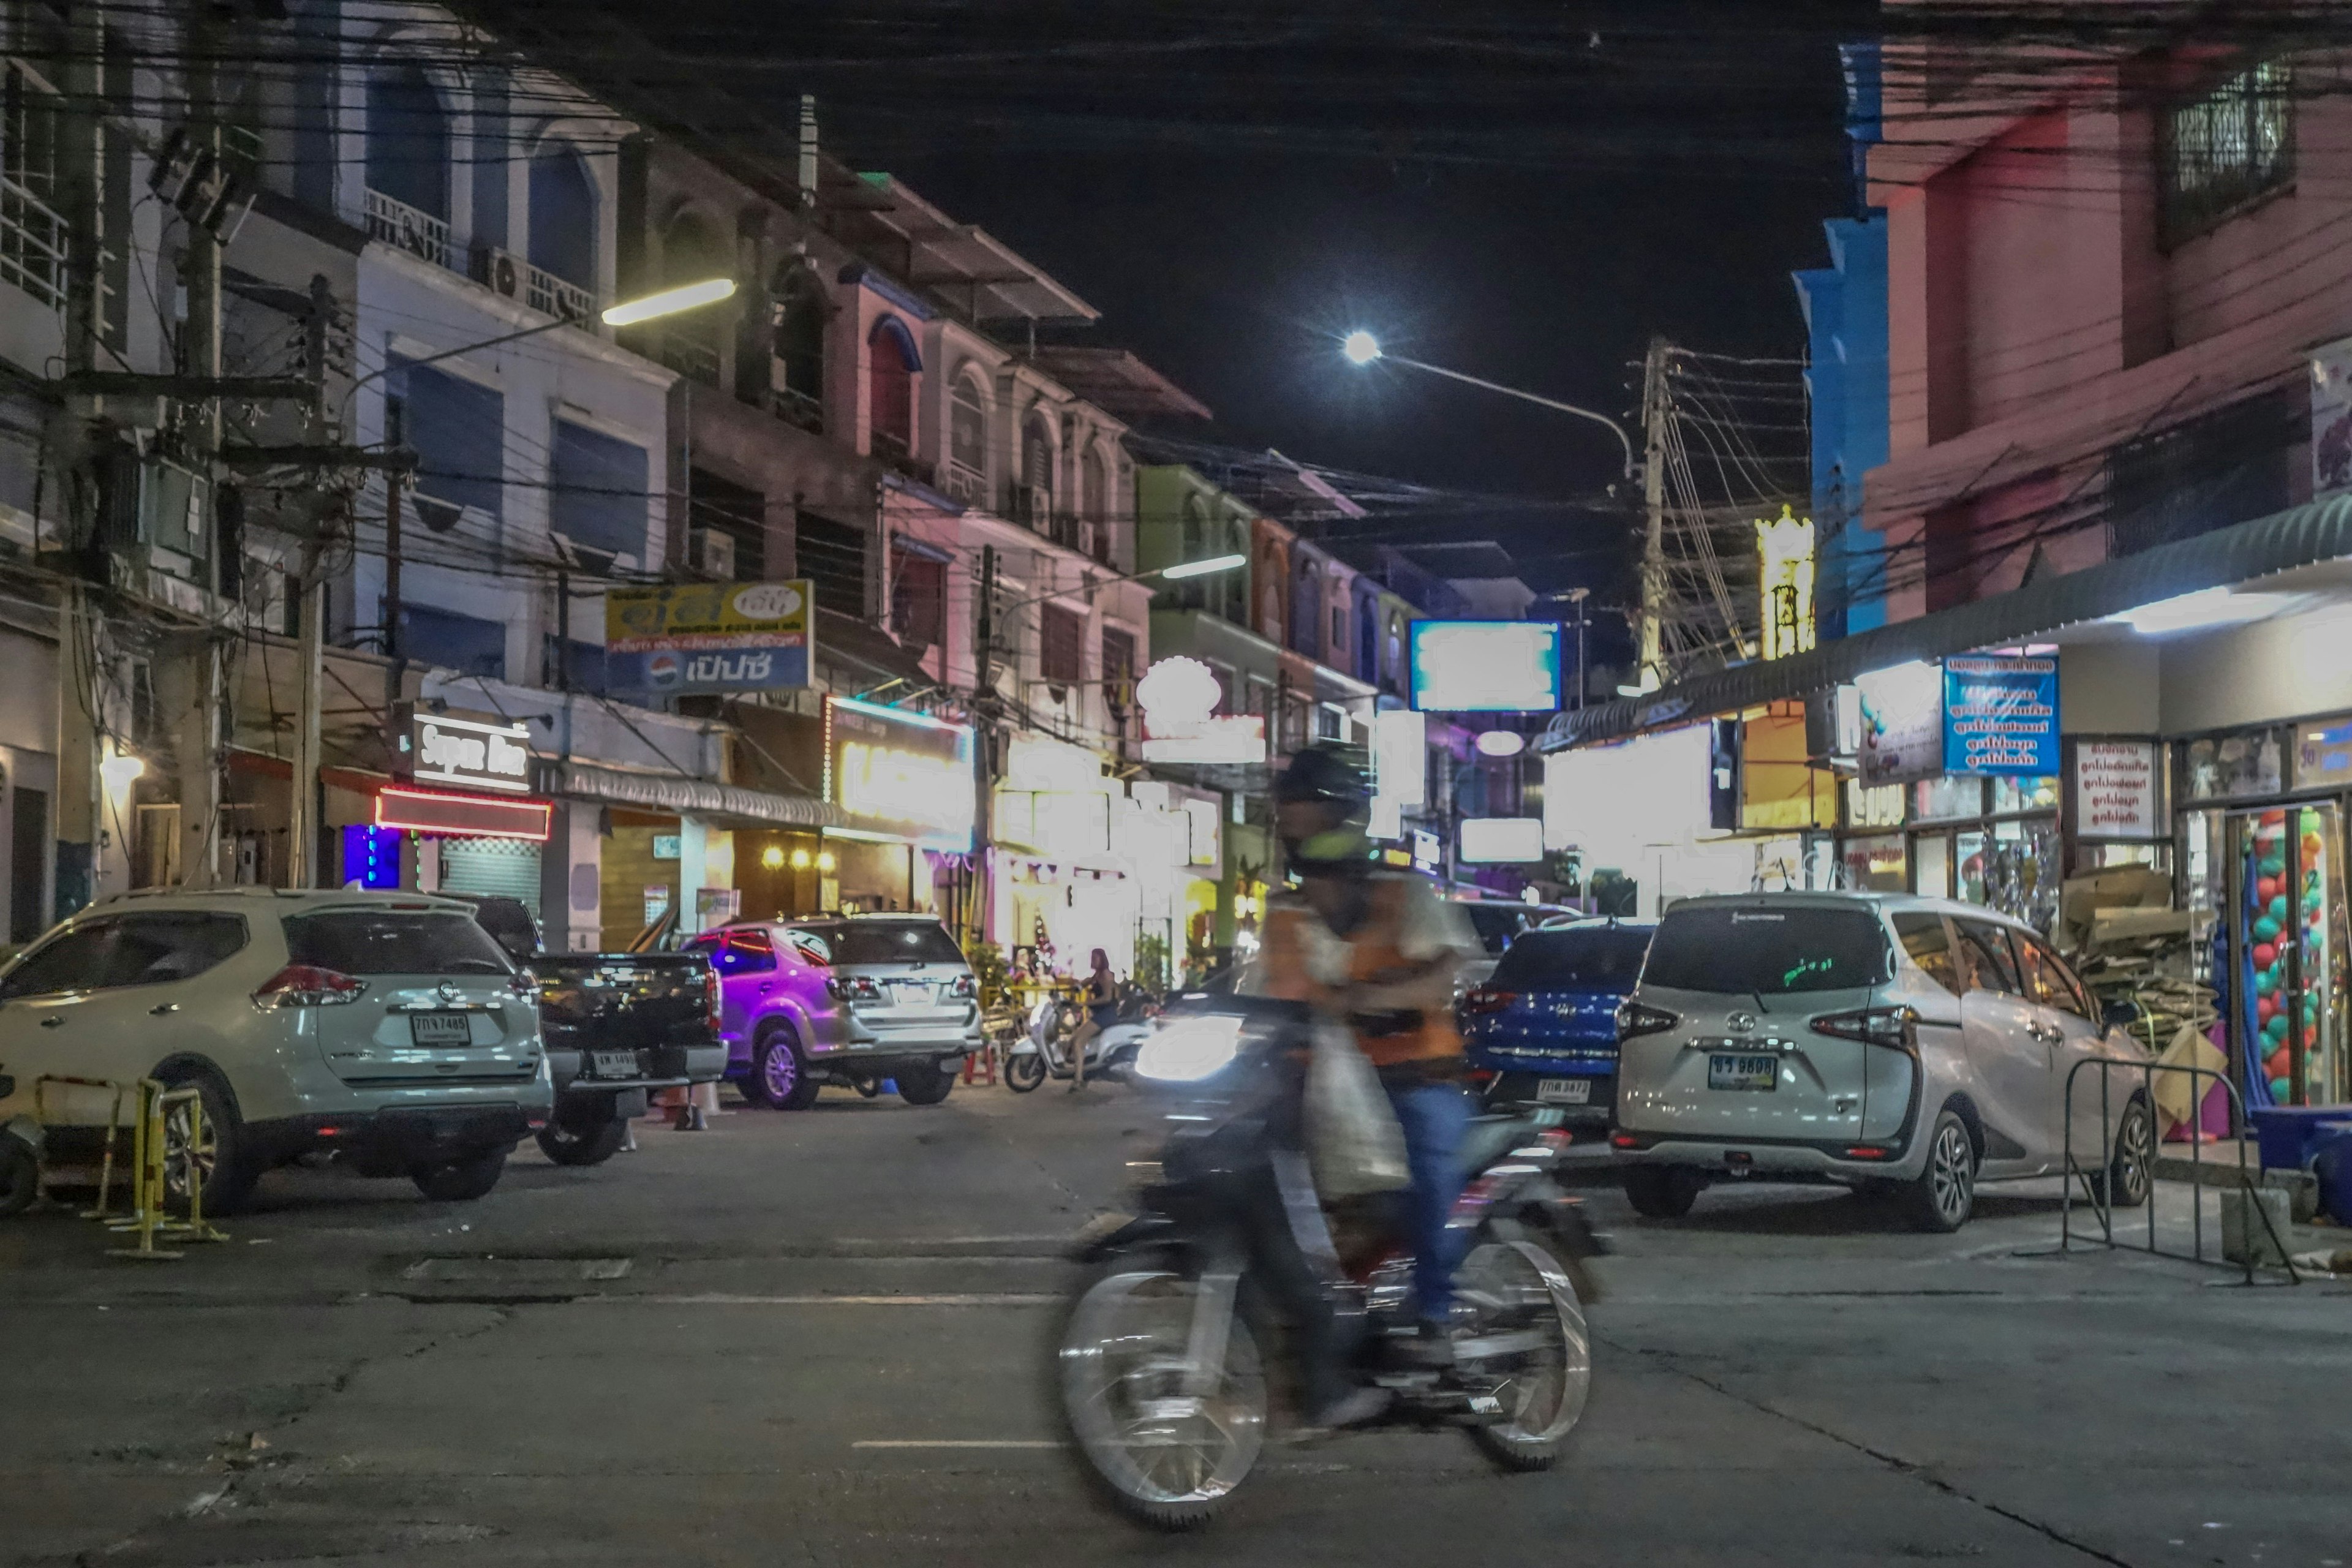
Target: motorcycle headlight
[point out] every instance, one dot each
(1190, 1049)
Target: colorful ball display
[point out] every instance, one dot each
(2276, 1065)
(2274, 819)
(2265, 982)
(2272, 865)
(2265, 954)
(2266, 888)
(2312, 846)
(2264, 1009)
(2280, 1089)
(2266, 929)
(2275, 1030)
(2276, 908)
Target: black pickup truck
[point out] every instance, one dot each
(618, 1026)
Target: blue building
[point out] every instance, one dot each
(1846, 318)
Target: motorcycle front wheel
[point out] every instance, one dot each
(1161, 1456)
(1024, 1072)
(1529, 1331)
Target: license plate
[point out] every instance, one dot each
(1750, 1072)
(615, 1064)
(1564, 1091)
(441, 1028)
(911, 993)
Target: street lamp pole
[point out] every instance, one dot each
(1362, 348)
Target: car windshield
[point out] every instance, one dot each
(1776, 950)
(1495, 924)
(889, 941)
(394, 942)
(1608, 958)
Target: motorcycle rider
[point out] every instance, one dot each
(1378, 950)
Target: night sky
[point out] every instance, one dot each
(1521, 191)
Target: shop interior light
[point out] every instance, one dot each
(669, 302)
(1203, 568)
(799, 859)
(1501, 743)
(772, 856)
(825, 862)
(2204, 610)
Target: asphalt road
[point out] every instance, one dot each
(819, 1337)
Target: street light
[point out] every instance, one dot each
(1360, 348)
(1197, 568)
(1201, 568)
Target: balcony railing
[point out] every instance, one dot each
(553, 296)
(31, 244)
(967, 485)
(692, 355)
(411, 229)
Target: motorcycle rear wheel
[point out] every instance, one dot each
(1153, 1453)
(1515, 1286)
(1023, 1072)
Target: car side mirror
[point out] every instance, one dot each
(2120, 1014)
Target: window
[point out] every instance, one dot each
(128, 950)
(562, 216)
(892, 363)
(737, 952)
(1094, 490)
(457, 430)
(890, 942)
(1119, 672)
(967, 426)
(739, 515)
(1033, 501)
(1306, 609)
(2226, 148)
(387, 941)
(1923, 937)
(1061, 658)
(31, 230)
(71, 961)
(467, 644)
(1985, 949)
(1604, 959)
(1339, 630)
(1396, 645)
(598, 495)
(831, 556)
(1780, 951)
(2047, 980)
(918, 592)
(2225, 467)
(407, 138)
(797, 342)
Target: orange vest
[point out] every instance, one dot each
(1372, 951)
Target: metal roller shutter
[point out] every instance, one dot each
(507, 866)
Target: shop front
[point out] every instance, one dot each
(902, 787)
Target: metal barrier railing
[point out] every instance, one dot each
(167, 1140)
(2096, 1180)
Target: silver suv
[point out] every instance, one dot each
(1904, 1046)
(388, 1027)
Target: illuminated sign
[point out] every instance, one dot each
(1485, 667)
(1400, 758)
(469, 755)
(1181, 724)
(1426, 850)
(1784, 549)
(1502, 840)
(900, 776)
(2001, 716)
(1902, 723)
(710, 637)
(461, 815)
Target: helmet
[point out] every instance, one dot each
(1321, 775)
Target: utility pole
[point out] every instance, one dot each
(983, 702)
(198, 743)
(1654, 409)
(86, 660)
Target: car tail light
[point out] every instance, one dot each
(524, 984)
(1867, 1152)
(307, 985)
(710, 998)
(1485, 1001)
(965, 987)
(1633, 1020)
(1897, 1028)
(852, 988)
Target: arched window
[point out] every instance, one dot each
(798, 313)
(407, 138)
(1368, 639)
(1396, 646)
(968, 427)
(1036, 495)
(891, 364)
(1338, 599)
(562, 216)
(1306, 606)
(1093, 503)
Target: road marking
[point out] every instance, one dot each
(724, 1299)
(952, 1443)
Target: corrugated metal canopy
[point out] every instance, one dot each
(2300, 536)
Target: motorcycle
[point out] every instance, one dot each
(1161, 1366)
(1043, 1050)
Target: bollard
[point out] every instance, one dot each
(151, 1214)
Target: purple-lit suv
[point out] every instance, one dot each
(857, 1000)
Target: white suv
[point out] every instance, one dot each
(1899, 1045)
(388, 1027)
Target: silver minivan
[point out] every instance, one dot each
(1903, 1046)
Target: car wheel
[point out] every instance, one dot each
(590, 1138)
(924, 1083)
(218, 1156)
(1024, 1072)
(1662, 1191)
(460, 1181)
(782, 1072)
(20, 1175)
(2132, 1171)
(1943, 1195)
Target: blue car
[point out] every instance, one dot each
(1542, 1030)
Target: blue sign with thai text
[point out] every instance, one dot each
(2001, 716)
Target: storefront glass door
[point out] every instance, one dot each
(2287, 951)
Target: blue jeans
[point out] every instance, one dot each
(1434, 1117)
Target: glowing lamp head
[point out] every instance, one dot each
(1361, 347)
(121, 772)
(799, 859)
(772, 856)
(825, 862)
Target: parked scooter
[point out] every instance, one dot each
(20, 1157)
(1044, 1051)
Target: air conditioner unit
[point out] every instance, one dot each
(712, 553)
(500, 271)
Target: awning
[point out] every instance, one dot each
(674, 791)
(2301, 536)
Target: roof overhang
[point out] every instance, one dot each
(967, 266)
